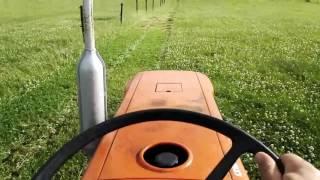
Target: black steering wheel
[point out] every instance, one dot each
(241, 141)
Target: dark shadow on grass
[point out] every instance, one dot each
(108, 18)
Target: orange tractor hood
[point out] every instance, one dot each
(126, 153)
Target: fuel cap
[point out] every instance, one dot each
(165, 155)
(166, 160)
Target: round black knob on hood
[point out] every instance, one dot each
(166, 160)
(166, 155)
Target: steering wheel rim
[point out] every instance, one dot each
(242, 142)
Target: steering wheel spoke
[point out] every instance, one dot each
(221, 170)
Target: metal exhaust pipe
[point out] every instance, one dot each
(91, 79)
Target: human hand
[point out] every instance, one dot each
(295, 167)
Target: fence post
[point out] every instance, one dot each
(82, 25)
(152, 5)
(137, 6)
(121, 12)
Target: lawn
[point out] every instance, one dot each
(262, 56)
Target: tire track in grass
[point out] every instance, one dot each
(168, 29)
(145, 57)
(127, 53)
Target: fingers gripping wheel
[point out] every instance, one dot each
(241, 141)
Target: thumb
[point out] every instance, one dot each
(267, 167)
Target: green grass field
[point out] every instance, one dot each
(263, 57)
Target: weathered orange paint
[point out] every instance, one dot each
(118, 155)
